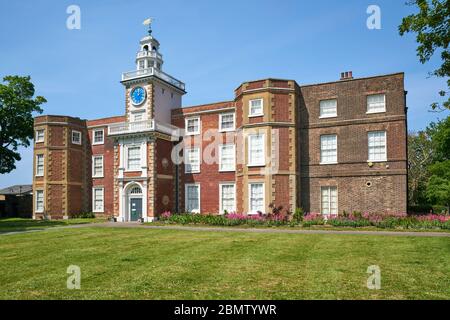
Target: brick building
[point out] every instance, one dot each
(326, 147)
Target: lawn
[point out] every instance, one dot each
(18, 224)
(119, 263)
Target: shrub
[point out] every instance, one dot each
(84, 215)
(298, 214)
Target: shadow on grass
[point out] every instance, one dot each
(19, 224)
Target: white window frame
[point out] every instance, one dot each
(325, 116)
(194, 132)
(37, 210)
(221, 115)
(221, 146)
(75, 132)
(127, 162)
(93, 199)
(37, 165)
(186, 197)
(250, 197)
(377, 110)
(39, 138)
(385, 146)
(321, 150)
(329, 200)
(250, 114)
(222, 184)
(93, 136)
(186, 163)
(249, 148)
(93, 167)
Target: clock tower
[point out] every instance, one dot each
(144, 174)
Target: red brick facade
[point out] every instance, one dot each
(292, 175)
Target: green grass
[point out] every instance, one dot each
(19, 224)
(119, 263)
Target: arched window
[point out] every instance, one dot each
(145, 48)
(136, 190)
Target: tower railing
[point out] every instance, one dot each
(150, 54)
(152, 72)
(143, 126)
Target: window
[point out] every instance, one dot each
(226, 122)
(255, 108)
(377, 146)
(76, 137)
(227, 197)
(256, 150)
(376, 103)
(192, 198)
(137, 117)
(97, 166)
(134, 158)
(328, 149)
(193, 126)
(39, 165)
(97, 199)
(328, 108)
(98, 136)
(141, 64)
(192, 160)
(226, 157)
(40, 135)
(329, 200)
(256, 198)
(39, 201)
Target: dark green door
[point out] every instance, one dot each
(135, 209)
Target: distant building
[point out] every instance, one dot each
(326, 147)
(16, 201)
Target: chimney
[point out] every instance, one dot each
(348, 75)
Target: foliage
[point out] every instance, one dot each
(298, 214)
(84, 215)
(16, 118)
(432, 26)
(438, 188)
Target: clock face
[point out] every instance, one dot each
(137, 95)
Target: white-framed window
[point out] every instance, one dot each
(376, 103)
(256, 156)
(227, 157)
(134, 158)
(192, 198)
(329, 200)
(226, 121)
(227, 195)
(99, 136)
(40, 135)
(328, 108)
(39, 165)
(193, 126)
(97, 166)
(138, 116)
(39, 203)
(256, 197)
(377, 146)
(255, 107)
(192, 160)
(76, 137)
(328, 149)
(98, 195)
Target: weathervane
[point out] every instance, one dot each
(148, 22)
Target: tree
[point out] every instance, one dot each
(438, 188)
(432, 25)
(16, 118)
(420, 156)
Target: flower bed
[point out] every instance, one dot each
(354, 220)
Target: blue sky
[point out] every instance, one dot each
(212, 46)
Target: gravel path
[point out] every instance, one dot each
(234, 229)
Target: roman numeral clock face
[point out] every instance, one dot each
(137, 95)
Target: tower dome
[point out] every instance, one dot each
(148, 55)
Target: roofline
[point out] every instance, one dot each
(204, 105)
(265, 79)
(354, 79)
